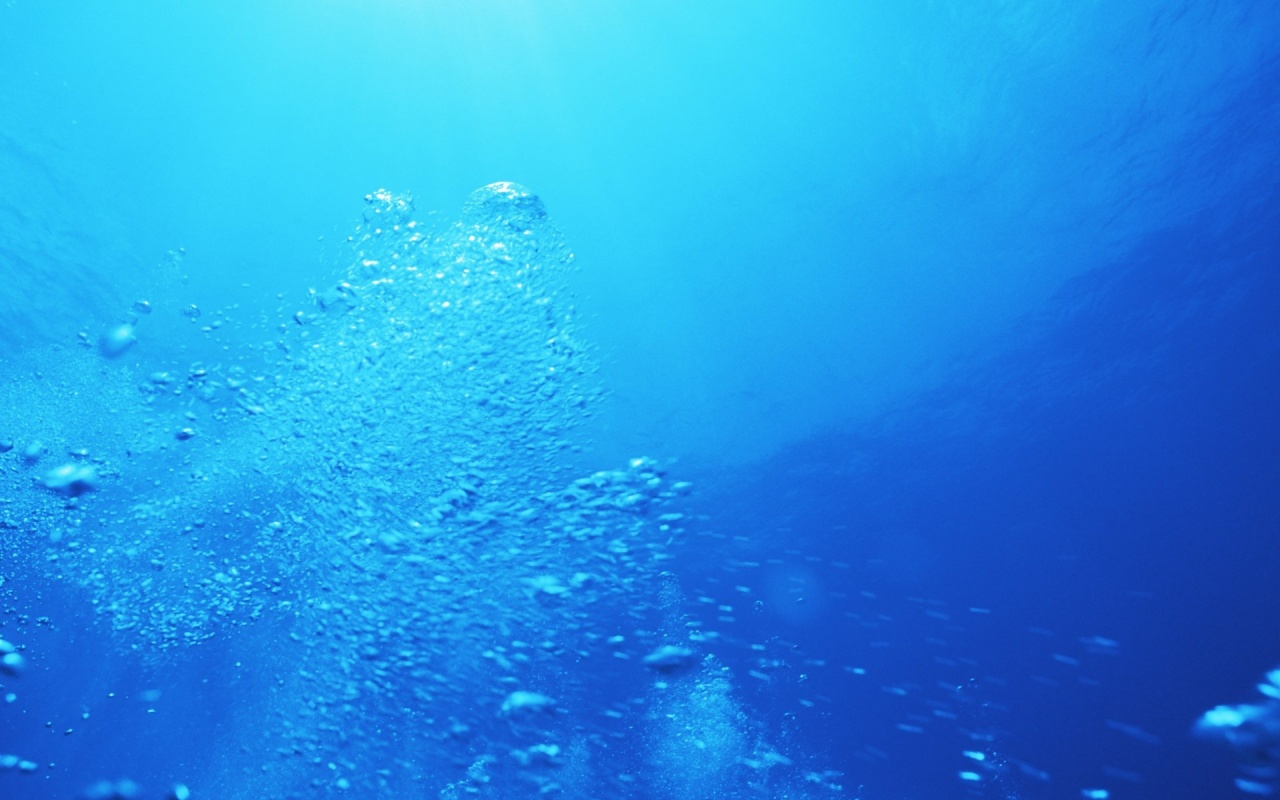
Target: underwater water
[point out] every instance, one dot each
(519, 398)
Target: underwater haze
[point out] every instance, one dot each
(866, 399)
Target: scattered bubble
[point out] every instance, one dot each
(669, 658)
(116, 340)
(11, 661)
(112, 790)
(73, 479)
(522, 702)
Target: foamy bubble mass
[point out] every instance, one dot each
(375, 509)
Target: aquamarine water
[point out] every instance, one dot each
(522, 398)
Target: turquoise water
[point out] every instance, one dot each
(676, 400)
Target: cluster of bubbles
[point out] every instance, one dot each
(382, 499)
(385, 491)
(129, 790)
(1252, 730)
(11, 665)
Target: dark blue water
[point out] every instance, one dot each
(869, 400)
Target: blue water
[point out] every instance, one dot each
(639, 400)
